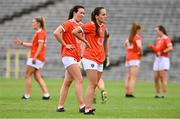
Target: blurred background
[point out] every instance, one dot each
(16, 18)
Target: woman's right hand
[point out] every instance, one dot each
(150, 46)
(87, 45)
(18, 42)
(70, 46)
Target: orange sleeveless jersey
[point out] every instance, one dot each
(39, 36)
(133, 52)
(162, 43)
(68, 38)
(96, 52)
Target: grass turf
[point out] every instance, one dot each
(143, 106)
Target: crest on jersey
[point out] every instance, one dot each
(92, 65)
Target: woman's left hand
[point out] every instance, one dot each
(18, 42)
(34, 61)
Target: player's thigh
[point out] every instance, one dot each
(75, 71)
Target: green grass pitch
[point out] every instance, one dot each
(143, 106)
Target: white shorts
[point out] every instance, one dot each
(67, 61)
(38, 65)
(161, 63)
(132, 63)
(89, 64)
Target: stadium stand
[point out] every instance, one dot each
(10, 7)
(121, 13)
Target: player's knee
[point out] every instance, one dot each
(79, 80)
(28, 74)
(68, 83)
(37, 77)
(94, 85)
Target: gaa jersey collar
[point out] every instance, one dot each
(39, 30)
(72, 20)
(164, 37)
(100, 25)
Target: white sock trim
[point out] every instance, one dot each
(82, 106)
(27, 96)
(46, 95)
(60, 107)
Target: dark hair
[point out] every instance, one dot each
(74, 9)
(162, 29)
(135, 27)
(41, 21)
(95, 13)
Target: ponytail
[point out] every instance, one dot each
(95, 13)
(134, 29)
(43, 23)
